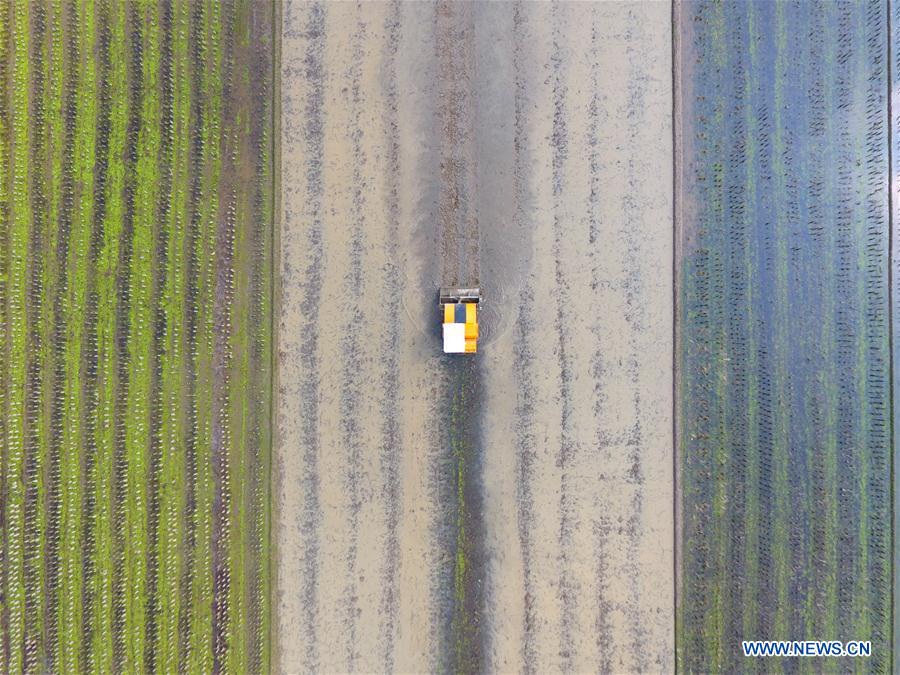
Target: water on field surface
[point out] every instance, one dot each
(783, 365)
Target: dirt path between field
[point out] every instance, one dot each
(511, 512)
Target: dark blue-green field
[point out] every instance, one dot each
(783, 353)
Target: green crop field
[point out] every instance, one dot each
(135, 380)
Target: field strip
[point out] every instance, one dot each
(136, 361)
(430, 512)
(783, 356)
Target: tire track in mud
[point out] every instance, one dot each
(460, 537)
(458, 220)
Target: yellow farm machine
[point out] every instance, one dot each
(460, 306)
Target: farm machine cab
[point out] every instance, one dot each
(460, 307)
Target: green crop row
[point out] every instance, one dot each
(5, 224)
(17, 235)
(209, 52)
(101, 583)
(173, 436)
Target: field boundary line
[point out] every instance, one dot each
(676, 283)
(273, 643)
(890, 329)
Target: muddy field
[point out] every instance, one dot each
(514, 510)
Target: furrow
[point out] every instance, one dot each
(602, 526)
(194, 267)
(133, 52)
(223, 437)
(240, 165)
(257, 526)
(525, 356)
(70, 607)
(636, 293)
(35, 419)
(526, 450)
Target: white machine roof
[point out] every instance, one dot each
(454, 338)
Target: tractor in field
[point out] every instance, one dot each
(460, 306)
